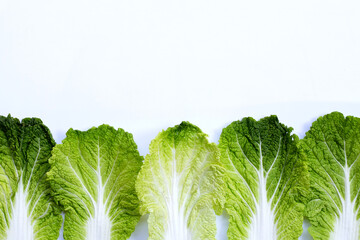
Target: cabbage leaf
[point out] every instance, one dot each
(266, 180)
(27, 211)
(332, 148)
(93, 177)
(180, 185)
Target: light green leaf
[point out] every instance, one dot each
(332, 147)
(27, 211)
(93, 177)
(266, 180)
(180, 184)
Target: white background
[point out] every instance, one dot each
(145, 65)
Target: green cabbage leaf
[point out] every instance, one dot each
(27, 211)
(332, 148)
(180, 185)
(266, 182)
(93, 177)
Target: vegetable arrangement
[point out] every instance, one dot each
(265, 178)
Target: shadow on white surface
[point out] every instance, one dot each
(141, 230)
(59, 135)
(222, 225)
(306, 127)
(306, 235)
(61, 236)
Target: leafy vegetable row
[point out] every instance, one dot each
(264, 177)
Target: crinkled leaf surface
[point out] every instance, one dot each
(180, 184)
(27, 211)
(266, 179)
(93, 176)
(332, 148)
